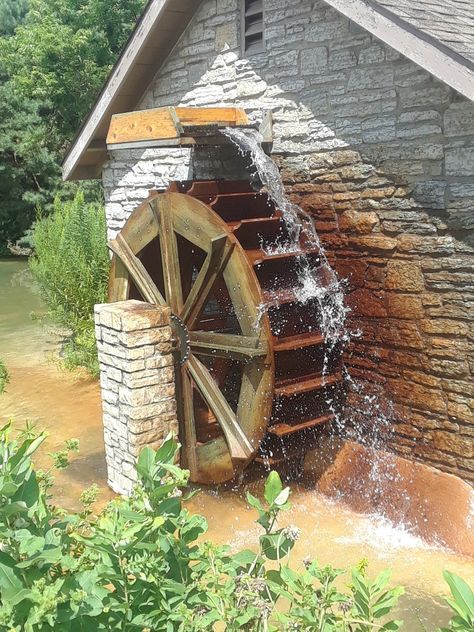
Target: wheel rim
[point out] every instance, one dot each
(174, 250)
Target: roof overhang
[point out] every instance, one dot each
(161, 25)
(424, 50)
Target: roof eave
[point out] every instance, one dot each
(115, 97)
(438, 62)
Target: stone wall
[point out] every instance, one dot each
(382, 154)
(137, 383)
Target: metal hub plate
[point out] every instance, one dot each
(181, 341)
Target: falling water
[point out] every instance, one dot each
(316, 283)
(319, 283)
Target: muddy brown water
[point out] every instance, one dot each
(68, 405)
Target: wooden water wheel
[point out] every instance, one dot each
(249, 354)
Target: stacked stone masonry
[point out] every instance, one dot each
(382, 154)
(137, 382)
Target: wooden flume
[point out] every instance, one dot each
(249, 354)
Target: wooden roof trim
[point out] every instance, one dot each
(121, 71)
(422, 49)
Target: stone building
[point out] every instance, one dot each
(373, 111)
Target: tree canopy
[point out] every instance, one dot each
(54, 58)
(11, 14)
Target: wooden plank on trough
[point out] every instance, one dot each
(141, 126)
(167, 124)
(212, 116)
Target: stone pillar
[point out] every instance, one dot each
(137, 382)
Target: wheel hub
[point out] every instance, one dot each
(181, 340)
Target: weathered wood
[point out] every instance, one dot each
(215, 463)
(220, 116)
(185, 401)
(239, 445)
(296, 387)
(169, 253)
(226, 401)
(141, 125)
(168, 123)
(227, 345)
(137, 271)
(212, 267)
(283, 430)
(118, 281)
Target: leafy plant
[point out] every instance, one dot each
(461, 602)
(71, 265)
(142, 563)
(4, 377)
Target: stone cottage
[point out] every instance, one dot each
(372, 103)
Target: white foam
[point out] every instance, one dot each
(384, 536)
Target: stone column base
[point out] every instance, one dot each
(137, 381)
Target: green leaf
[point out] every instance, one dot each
(273, 487)
(254, 502)
(8, 489)
(146, 462)
(282, 497)
(463, 595)
(392, 626)
(275, 546)
(10, 580)
(168, 450)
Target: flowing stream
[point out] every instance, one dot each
(68, 405)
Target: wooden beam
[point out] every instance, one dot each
(240, 447)
(160, 124)
(145, 284)
(233, 346)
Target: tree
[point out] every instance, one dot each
(63, 52)
(12, 13)
(28, 168)
(52, 66)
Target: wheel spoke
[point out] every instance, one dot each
(239, 446)
(137, 271)
(227, 345)
(184, 398)
(212, 267)
(169, 254)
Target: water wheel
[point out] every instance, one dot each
(249, 354)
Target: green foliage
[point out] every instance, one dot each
(71, 265)
(28, 169)
(53, 61)
(461, 602)
(4, 377)
(12, 13)
(63, 51)
(142, 563)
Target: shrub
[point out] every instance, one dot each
(71, 265)
(4, 377)
(142, 563)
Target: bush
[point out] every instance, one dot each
(71, 265)
(4, 377)
(142, 564)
